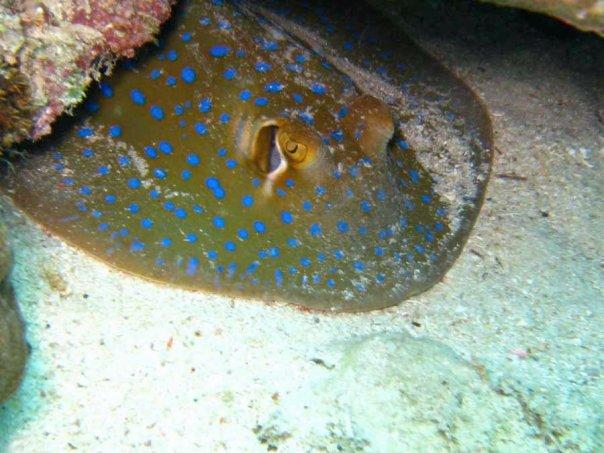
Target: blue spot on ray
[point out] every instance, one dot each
(138, 97)
(193, 159)
(157, 112)
(205, 105)
(263, 66)
(188, 75)
(219, 51)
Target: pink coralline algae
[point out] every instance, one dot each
(51, 50)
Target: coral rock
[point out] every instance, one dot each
(51, 50)
(586, 15)
(13, 349)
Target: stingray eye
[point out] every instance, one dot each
(298, 145)
(296, 152)
(279, 145)
(291, 147)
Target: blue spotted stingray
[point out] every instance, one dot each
(275, 150)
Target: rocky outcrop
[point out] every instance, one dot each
(586, 15)
(387, 390)
(13, 349)
(51, 50)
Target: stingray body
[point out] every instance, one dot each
(298, 153)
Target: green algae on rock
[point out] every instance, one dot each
(283, 153)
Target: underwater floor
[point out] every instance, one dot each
(505, 354)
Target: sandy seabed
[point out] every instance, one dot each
(505, 354)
